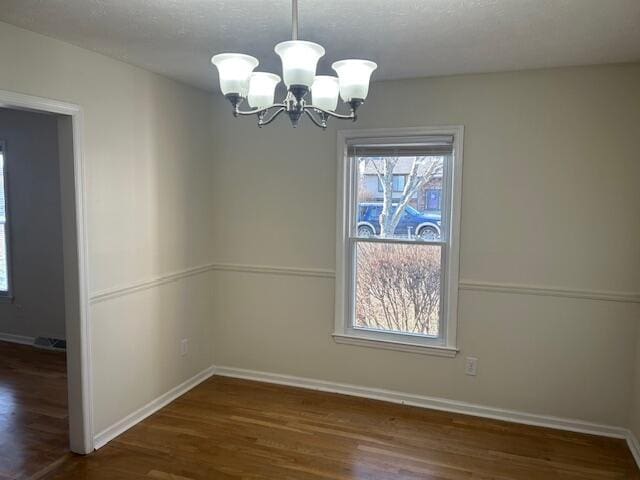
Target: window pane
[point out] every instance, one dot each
(393, 200)
(398, 287)
(2, 200)
(4, 281)
(434, 197)
(399, 183)
(4, 284)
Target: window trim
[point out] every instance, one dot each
(6, 296)
(346, 188)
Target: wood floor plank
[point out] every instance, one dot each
(232, 429)
(33, 410)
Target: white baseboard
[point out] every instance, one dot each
(153, 406)
(429, 402)
(21, 339)
(634, 446)
(422, 401)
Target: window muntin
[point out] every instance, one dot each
(4, 233)
(421, 270)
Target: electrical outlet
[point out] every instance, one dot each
(471, 366)
(184, 347)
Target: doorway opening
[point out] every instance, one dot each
(33, 380)
(45, 384)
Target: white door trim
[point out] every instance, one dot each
(78, 329)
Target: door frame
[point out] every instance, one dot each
(78, 327)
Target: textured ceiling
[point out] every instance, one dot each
(407, 38)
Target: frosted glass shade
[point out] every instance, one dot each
(234, 70)
(299, 61)
(324, 92)
(354, 78)
(262, 89)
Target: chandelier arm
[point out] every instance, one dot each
(322, 124)
(262, 121)
(256, 111)
(351, 116)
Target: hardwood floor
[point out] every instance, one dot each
(33, 410)
(231, 429)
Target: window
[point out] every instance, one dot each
(433, 199)
(397, 265)
(398, 182)
(4, 233)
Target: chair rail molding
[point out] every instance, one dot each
(464, 285)
(275, 270)
(119, 291)
(539, 290)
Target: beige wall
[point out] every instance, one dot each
(147, 153)
(550, 199)
(37, 273)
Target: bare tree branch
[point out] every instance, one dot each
(398, 288)
(392, 214)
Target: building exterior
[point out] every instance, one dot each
(428, 198)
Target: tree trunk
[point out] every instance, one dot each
(386, 178)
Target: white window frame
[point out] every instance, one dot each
(446, 344)
(6, 296)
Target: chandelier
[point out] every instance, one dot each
(299, 59)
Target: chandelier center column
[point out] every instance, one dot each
(294, 20)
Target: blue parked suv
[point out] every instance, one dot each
(424, 225)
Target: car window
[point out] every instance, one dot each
(369, 213)
(411, 211)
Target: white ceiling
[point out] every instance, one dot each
(407, 38)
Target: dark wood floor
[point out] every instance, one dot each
(33, 410)
(234, 429)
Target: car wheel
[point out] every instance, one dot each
(428, 233)
(365, 231)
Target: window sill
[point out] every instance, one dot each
(6, 299)
(438, 351)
